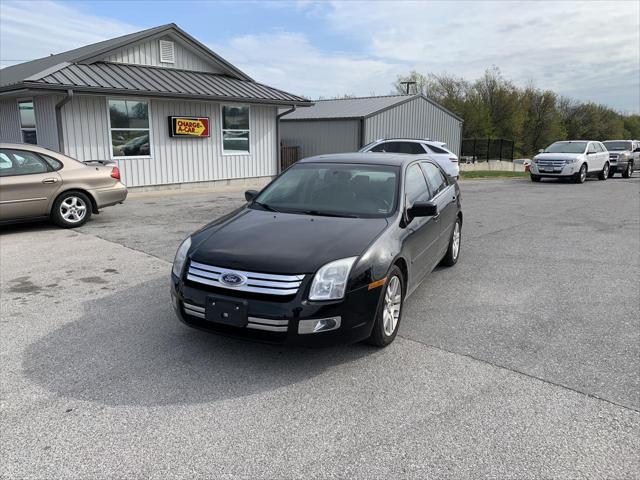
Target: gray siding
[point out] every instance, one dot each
(173, 160)
(148, 53)
(47, 132)
(415, 119)
(317, 137)
(9, 121)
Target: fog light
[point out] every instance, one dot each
(318, 325)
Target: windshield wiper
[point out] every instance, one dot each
(266, 207)
(327, 214)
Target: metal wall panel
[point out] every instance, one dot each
(9, 121)
(46, 126)
(317, 137)
(415, 119)
(173, 160)
(148, 53)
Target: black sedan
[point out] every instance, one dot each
(325, 254)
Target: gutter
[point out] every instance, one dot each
(278, 117)
(58, 109)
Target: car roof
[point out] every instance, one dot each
(367, 158)
(26, 146)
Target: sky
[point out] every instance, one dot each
(588, 50)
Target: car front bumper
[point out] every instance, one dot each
(568, 170)
(277, 321)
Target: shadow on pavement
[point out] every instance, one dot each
(130, 349)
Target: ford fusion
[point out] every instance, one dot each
(325, 254)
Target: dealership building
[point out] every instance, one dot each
(161, 104)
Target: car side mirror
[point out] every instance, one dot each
(249, 195)
(423, 209)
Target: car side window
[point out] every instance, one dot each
(412, 148)
(435, 178)
(591, 148)
(415, 185)
(434, 149)
(388, 147)
(19, 162)
(53, 163)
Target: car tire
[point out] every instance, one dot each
(581, 176)
(604, 174)
(628, 172)
(453, 251)
(535, 178)
(389, 314)
(611, 173)
(71, 209)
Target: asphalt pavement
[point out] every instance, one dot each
(522, 361)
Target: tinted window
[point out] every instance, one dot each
(411, 148)
(18, 162)
(415, 185)
(613, 146)
(341, 189)
(435, 149)
(436, 179)
(390, 147)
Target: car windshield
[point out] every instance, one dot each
(618, 145)
(341, 190)
(566, 147)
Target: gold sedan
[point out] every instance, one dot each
(36, 183)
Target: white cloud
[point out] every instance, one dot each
(587, 49)
(30, 30)
(288, 61)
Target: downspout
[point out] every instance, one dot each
(361, 134)
(278, 116)
(58, 109)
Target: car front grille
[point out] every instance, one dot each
(551, 163)
(261, 283)
(613, 157)
(255, 323)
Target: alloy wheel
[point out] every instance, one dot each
(73, 209)
(455, 245)
(392, 305)
(583, 173)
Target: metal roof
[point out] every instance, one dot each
(127, 79)
(361, 107)
(18, 73)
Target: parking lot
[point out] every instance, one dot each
(522, 361)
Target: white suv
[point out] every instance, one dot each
(571, 159)
(436, 150)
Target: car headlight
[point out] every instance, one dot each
(330, 282)
(181, 256)
(535, 160)
(570, 160)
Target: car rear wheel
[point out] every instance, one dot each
(582, 174)
(628, 171)
(535, 178)
(385, 326)
(604, 174)
(453, 252)
(71, 209)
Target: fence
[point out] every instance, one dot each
(288, 156)
(485, 149)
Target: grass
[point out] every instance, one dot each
(492, 174)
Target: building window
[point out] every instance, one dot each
(129, 128)
(28, 121)
(235, 130)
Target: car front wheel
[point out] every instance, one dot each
(628, 171)
(71, 209)
(604, 174)
(387, 321)
(535, 178)
(582, 174)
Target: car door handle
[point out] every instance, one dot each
(50, 180)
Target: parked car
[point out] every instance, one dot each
(623, 156)
(436, 150)
(574, 159)
(325, 254)
(37, 183)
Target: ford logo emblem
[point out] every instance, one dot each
(232, 279)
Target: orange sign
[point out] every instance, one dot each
(189, 126)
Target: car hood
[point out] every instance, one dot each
(260, 241)
(557, 156)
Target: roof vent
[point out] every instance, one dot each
(167, 52)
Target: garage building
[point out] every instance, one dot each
(158, 102)
(346, 125)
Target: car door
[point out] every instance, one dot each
(27, 184)
(422, 233)
(593, 160)
(443, 194)
(604, 154)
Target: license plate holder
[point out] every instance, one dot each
(226, 312)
